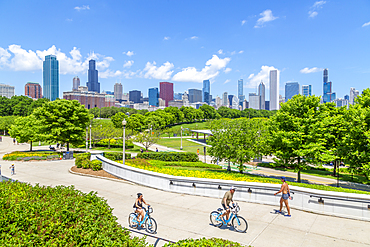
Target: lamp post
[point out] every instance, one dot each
(181, 139)
(90, 136)
(86, 137)
(123, 141)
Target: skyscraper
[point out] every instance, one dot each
(306, 90)
(240, 91)
(195, 95)
(230, 96)
(291, 89)
(33, 90)
(206, 91)
(93, 80)
(153, 96)
(328, 95)
(274, 90)
(51, 77)
(76, 83)
(254, 101)
(118, 90)
(135, 96)
(225, 99)
(353, 93)
(261, 93)
(166, 91)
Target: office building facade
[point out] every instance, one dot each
(328, 94)
(93, 79)
(118, 91)
(306, 90)
(230, 100)
(274, 90)
(254, 101)
(153, 97)
(135, 96)
(51, 77)
(76, 83)
(166, 91)
(291, 89)
(6, 90)
(195, 95)
(353, 93)
(33, 90)
(206, 91)
(261, 93)
(225, 99)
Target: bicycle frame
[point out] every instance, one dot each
(145, 217)
(232, 215)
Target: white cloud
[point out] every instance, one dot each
(240, 52)
(243, 22)
(129, 53)
(210, 71)
(194, 37)
(263, 75)
(166, 38)
(128, 64)
(266, 16)
(122, 74)
(227, 81)
(83, 7)
(366, 24)
(316, 6)
(227, 70)
(151, 71)
(220, 52)
(69, 19)
(18, 59)
(312, 70)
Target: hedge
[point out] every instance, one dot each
(59, 216)
(114, 143)
(198, 164)
(170, 156)
(116, 155)
(81, 159)
(215, 242)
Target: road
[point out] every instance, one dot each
(182, 216)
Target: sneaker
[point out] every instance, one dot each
(287, 215)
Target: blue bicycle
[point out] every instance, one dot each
(238, 222)
(148, 221)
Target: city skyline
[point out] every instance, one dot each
(214, 46)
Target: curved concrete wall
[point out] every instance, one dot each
(348, 205)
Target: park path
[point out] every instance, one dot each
(182, 216)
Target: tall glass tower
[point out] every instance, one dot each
(51, 77)
(291, 89)
(206, 91)
(153, 96)
(261, 93)
(328, 95)
(240, 91)
(274, 90)
(306, 90)
(93, 84)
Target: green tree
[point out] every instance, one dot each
(5, 108)
(209, 112)
(6, 122)
(21, 105)
(26, 129)
(178, 115)
(135, 122)
(38, 103)
(63, 120)
(117, 119)
(146, 139)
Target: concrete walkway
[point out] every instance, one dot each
(183, 216)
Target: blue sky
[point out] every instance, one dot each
(140, 43)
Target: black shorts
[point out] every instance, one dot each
(224, 206)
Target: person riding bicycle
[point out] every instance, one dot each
(225, 202)
(139, 206)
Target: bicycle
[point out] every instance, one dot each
(238, 222)
(150, 223)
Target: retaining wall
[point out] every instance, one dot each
(348, 205)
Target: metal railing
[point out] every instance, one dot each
(321, 199)
(149, 235)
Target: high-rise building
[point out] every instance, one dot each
(135, 96)
(267, 105)
(306, 90)
(153, 96)
(346, 97)
(118, 90)
(353, 93)
(93, 79)
(6, 90)
(195, 95)
(206, 92)
(225, 99)
(254, 101)
(341, 102)
(261, 93)
(166, 91)
(274, 90)
(76, 83)
(235, 103)
(291, 89)
(230, 98)
(240, 88)
(33, 90)
(281, 100)
(51, 77)
(177, 96)
(328, 95)
(218, 102)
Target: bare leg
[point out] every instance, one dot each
(281, 204)
(287, 206)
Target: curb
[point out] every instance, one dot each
(94, 176)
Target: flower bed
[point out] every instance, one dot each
(170, 156)
(215, 242)
(27, 156)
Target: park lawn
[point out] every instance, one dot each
(355, 178)
(192, 126)
(46, 143)
(187, 145)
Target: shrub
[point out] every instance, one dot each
(80, 158)
(96, 165)
(86, 164)
(215, 242)
(170, 156)
(114, 143)
(59, 216)
(116, 155)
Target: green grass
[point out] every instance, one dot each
(192, 126)
(187, 146)
(136, 149)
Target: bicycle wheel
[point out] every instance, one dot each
(215, 219)
(150, 225)
(132, 220)
(240, 224)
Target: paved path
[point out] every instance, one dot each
(183, 216)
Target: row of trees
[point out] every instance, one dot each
(302, 132)
(19, 105)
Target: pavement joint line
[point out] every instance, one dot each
(259, 234)
(309, 230)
